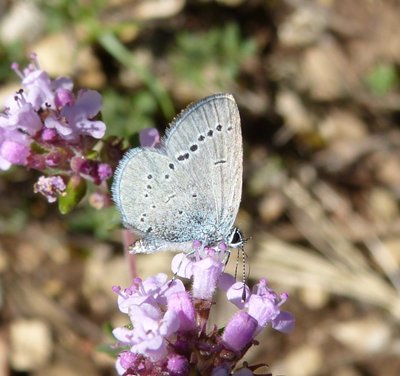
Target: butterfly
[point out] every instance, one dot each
(189, 188)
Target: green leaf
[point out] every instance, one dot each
(98, 222)
(215, 56)
(76, 189)
(382, 79)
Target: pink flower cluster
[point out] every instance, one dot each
(169, 331)
(45, 126)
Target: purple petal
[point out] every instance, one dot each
(182, 304)
(96, 129)
(244, 372)
(63, 97)
(63, 129)
(50, 187)
(177, 365)
(169, 323)
(26, 118)
(235, 294)
(88, 103)
(123, 334)
(206, 273)
(262, 309)
(168, 289)
(284, 322)
(149, 137)
(226, 281)
(14, 152)
(62, 83)
(239, 331)
(182, 266)
(104, 171)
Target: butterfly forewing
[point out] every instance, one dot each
(190, 188)
(206, 140)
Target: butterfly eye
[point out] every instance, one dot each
(236, 239)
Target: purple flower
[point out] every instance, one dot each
(235, 292)
(284, 322)
(100, 200)
(20, 114)
(151, 330)
(50, 187)
(91, 169)
(14, 152)
(78, 117)
(205, 269)
(239, 331)
(154, 290)
(49, 135)
(169, 324)
(264, 305)
(14, 148)
(36, 82)
(177, 365)
(205, 277)
(104, 171)
(63, 97)
(40, 88)
(181, 303)
(128, 359)
(149, 137)
(182, 265)
(221, 371)
(44, 125)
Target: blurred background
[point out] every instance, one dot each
(318, 87)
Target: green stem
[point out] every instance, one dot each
(115, 48)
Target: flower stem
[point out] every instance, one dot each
(115, 48)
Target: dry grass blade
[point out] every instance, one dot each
(335, 263)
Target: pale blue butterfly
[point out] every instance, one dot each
(190, 187)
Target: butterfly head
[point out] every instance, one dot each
(235, 238)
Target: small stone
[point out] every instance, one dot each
(314, 298)
(382, 205)
(306, 360)
(325, 72)
(393, 245)
(389, 170)
(303, 27)
(103, 271)
(24, 21)
(56, 54)
(31, 344)
(342, 125)
(272, 207)
(297, 118)
(347, 371)
(89, 69)
(367, 335)
(150, 9)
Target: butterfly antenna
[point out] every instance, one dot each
(179, 266)
(237, 264)
(244, 276)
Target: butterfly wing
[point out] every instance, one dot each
(190, 188)
(206, 140)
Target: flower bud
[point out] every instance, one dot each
(239, 331)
